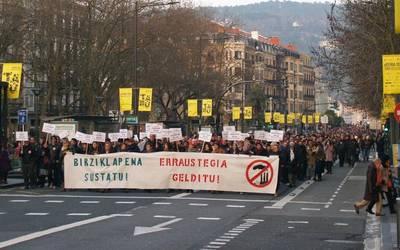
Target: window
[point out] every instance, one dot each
(238, 71)
(291, 93)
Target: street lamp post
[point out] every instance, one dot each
(36, 92)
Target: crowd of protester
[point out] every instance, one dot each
(301, 157)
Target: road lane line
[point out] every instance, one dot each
(344, 241)
(326, 206)
(214, 247)
(181, 195)
(198, 204)
(125, 202)
(217, 243)
(19, 201)
(271, 207)
(227, 237)
(53, 201)
(340, 224)
(123, 215)
(231, 234)
(236, 206)
(78, 214)
(39, 234)
(240, 229)
(311, 202)
(253, 220)
(36, 214)
(165, 216)
(2, 213)
(310, 209)
(208, 218)
(235, 231)
(224, 240)
(297, 222)
(346, 211)
(162, 203)
(290, 227)
(90, 202)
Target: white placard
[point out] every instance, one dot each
(99, 136)
(21, 136)
(235, 136)
(62, 134)
(229, 128)
(164, 134)
(244, 136)
(123, 134)
(324, 119)
(225, 135)
(206, 129)
(130, 133)
(143, 135)
(80, 136)
(275, 135)
(259, 135)
(175, 134)
(154, 128)
(113, 137)
(205, 136)
(87, 139)
(49, 128)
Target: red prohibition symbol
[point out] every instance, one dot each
(259, 173)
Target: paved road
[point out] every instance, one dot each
(313, 216)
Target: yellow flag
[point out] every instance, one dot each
(12, 73)
(317, 117)
(391, 74)
(282, 119)
(125, 99)
(290, 118)
(192, 108)
(248, 113)
(268, 117)
(298, 116)
(145, 99)
(236, 113)
(304, 119)
(277, 116)
(310, 119)
(206, 107)
(389, 104)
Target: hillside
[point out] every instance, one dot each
(300, 23)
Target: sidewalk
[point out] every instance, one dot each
(12, 182)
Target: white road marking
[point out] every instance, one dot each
(135, 197)
(331, 199)
(215, 247)
(217, 243)
(326, 206)
(273, 207)
(256, 220)
(90, 202)
(231, 234)
(290, 227)
(285, 200)
(208, 218)
(344, 241)
(19, 201)
(310, 209)
(162, 203)
(373, 233)
(340, 224)
(334, 195)
(346, 211)
(2, 213)
(235, 231)
(79, 214)
(311, 202)
(235, 206)
(37, 214)
(181, 195)
(240, 229)
(155, 228)
(125, 202)
(54, 201)
(224, 240)
(165, 216)
(227, 237)
(123, 215)
(297, 222)
(198, 204)
(336, 192)
(39, 234)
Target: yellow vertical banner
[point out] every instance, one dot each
(248, 113)
(125, 99)
(235, 113)
(192, 108)
(268, 117)
(12, 73)
(391, 74)
(145, 99)
(310, 119)
(277, 116)
(395, 155)
(389, 104)
(290, 118)
(282, 119)
(304, 119)
(397, 16)
(317, 117)
(206, 107)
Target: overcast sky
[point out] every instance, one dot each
(238, 2)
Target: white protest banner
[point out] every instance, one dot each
(154, 128)
(259, 135)
(235, 136)
(164, 134)
(175, 134)
(87, 139)
(229, 128)
(21, 136)
(123, 134)
(99, 136)
(172, 170)
(276, 135)
(49, 128)
(80, 136)
(324, 119)
(244, 136)
(205, 136)
(130, 133)
(143, 135)
(62, 134)
(113, 137)
(225, 135)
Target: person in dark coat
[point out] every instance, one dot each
(29, 161)
(283, 162)
(55, 172)
(341, 151)
(300, 152)
(370, 193)
(5, 164)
